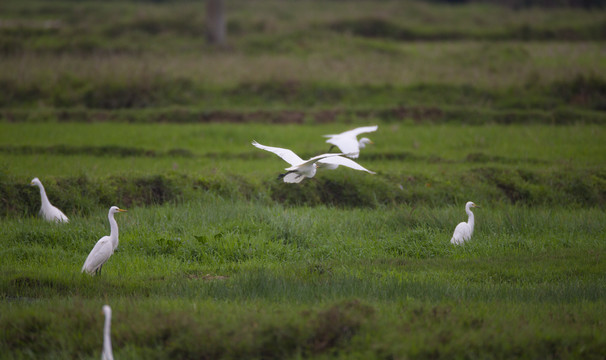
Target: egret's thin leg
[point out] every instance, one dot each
(286, 173)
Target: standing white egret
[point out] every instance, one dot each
(348, 142)
(301, 169)
(107, 353)
(47, 210)
(464, 230)
(104, 248)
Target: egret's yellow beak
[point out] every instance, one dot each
(474, 205)
(121, 210)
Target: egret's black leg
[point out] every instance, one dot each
(286, 173)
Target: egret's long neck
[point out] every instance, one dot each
(107, 341)
(470, 220)
(114, 228)
(43, 196)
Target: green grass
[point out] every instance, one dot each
(125, 104)
(318, 281)
(445, 143)
(87, 165)
(342, 330)
(302, 57)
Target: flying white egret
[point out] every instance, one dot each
(348, 142)
(301, 169)
(464, 230)
(107, 353)
(104, 248)
(47, 210)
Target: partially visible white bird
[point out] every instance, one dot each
(348, 142)
(47, 210)
(107, 353)
(104, 248)
(464, 230)
(301, 169)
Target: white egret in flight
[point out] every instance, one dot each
(348, 142)
(47, 210)
(104, 248)
(300, 169)
(107, 353)
(464, 230)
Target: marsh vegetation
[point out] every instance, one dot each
(123, 103)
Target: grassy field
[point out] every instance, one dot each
(270, 281)
(124, 103)
(86, 165)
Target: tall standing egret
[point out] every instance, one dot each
(104, 248)
(464, 230)
(300, 169)
(107, 353)
(348, 142)
(47, 210)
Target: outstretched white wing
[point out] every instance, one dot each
(361, 130)
(335, 161)
(347, 145)
(347, 141)
(287, 155)
(313, 160)
(355, 132)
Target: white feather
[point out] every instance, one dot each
(287, 155)
(47, 210)
(293, 177)
(334, 162)
(107, 353)
(105, 247)
(300, 169)
(464, 230)
(347, 141)
(99, 255)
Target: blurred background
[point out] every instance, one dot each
(426, 60)
(74, 74)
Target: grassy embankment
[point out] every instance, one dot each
(87, 165)
(218, 259)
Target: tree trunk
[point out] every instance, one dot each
(215, 22)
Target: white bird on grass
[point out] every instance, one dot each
(107, 353)
(104, 248)
(348, 142)
(47, 210)
(464, 230)
(301, 169)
